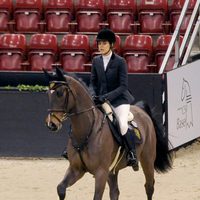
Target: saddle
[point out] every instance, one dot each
(114, 124)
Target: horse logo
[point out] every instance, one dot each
(185, 114)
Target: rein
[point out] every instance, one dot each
(80, 147)
(66, 115)
(78, 113)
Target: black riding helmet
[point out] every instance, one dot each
(106, 34)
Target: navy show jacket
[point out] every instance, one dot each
(112, 83)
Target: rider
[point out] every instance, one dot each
(109, 81)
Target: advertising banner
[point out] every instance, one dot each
(183, 91)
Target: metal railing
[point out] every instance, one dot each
(188, 39)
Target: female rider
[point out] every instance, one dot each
(109, 81)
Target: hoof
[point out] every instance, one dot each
(64, 154)
(61, 192)
(135, 167)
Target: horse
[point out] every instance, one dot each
(91, 146)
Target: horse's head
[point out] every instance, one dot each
(60, 100)
(185, 91)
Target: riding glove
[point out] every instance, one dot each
(99, 99)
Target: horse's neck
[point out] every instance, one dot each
(185, 92)
(185, 89)
(83, 120)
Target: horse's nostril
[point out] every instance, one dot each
(52, 126)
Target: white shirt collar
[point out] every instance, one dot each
(106, 60)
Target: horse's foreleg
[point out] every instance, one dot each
(113, 184)
(101, 177)
(149, 187)
(71, 176)
(148, 169)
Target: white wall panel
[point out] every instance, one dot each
(183, 88)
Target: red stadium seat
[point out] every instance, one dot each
(42, 51)
(58, 15)
(5, 14)
(152, 16)
(120, 15)
(89, 15)
(137, 51)
(12, 51)
(175, 10)
(160, 49)
(74, 52)
(116, 48)
(27, 16)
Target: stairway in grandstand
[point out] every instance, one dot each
(184, 47)
(36, 34)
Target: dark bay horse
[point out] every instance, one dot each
(91, 146)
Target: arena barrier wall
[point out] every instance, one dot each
(22, 120)
(183, 99)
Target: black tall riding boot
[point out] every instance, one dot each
(129, 141)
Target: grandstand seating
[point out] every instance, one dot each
(89, 16)
(81, 20)
(12, 50)
(116, 48)
(152, 16)
(6, 7)
(27, 16)
(74, 52)
(137, 51)
(160, 49)
(58, 15)
(42, 51)
(175, 11)
(121, 15)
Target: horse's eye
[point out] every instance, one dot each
(59, 93)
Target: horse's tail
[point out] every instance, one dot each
(163, 162)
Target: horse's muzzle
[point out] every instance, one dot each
(52, 126)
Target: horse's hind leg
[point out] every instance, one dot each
(148, 168)
(113, 184)
(71, 176)
(101, 177)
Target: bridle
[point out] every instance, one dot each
(66, 114)
(52, 87)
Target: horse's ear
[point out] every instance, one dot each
(48, 75)
(60, 74)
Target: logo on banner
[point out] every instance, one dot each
(185, 114)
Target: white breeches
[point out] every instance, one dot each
(122, 115)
